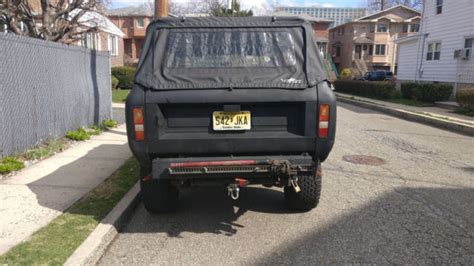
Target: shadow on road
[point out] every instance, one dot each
(413, 225)
(210, 210)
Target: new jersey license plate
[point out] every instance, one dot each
(231, 120)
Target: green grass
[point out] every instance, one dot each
(45, 150)
(410, 102)
(464, 111)
(80, 134)
(55, 243)
(119, 96)
(108, 123)
(9, 164)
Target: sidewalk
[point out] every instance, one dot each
(36, 195)
(434, 116)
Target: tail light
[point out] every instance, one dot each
(323, 127)
(138, 124)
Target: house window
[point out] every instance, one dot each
(113, 45)
(90, 40)
(434, 51)
(380, 49)
(439, 6)
(371, 49)
(381, 27)
(405, 28)
(140, 23)
(469, 44)
(371, 27)
(414, 27)
(338, 51)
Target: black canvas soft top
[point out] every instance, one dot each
(155, 71)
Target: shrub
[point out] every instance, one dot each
(109, 123)
(346, 73)
(79, 135)
(373, 89)
(465, 98)
(125, 75)
(10, 164)
(407, 89)
(426, 92)
(115, 82)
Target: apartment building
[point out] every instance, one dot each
(443, 49)
(338, 15)
(368, 43)
(133, 22)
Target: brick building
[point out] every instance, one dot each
(133, 22)
(320, 28)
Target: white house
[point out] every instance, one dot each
(443, 49)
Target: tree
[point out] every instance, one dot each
(379, 5)
(63, 21)
(217, 8)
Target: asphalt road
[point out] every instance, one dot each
(417, 207)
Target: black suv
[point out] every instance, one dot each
(230, 102)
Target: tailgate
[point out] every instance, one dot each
(182, 122)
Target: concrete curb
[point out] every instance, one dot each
(412, 116)
(92, 249)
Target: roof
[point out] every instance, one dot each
(363, 39)
(379, 15)
(145, 10)
(408, 38)
(386, 10)
(303, 16)
(95, 19)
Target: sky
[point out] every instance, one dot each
(247, 4)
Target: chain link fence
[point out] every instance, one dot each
(47, 89)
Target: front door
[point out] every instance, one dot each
(358, 51)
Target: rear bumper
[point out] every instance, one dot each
(248, 167)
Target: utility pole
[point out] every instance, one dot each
(161, 8)
(382, 5)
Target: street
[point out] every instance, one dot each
(415, 205)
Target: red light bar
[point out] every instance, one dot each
(213, 163)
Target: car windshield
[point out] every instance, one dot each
(230, 49)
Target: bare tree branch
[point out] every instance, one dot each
(61, 20)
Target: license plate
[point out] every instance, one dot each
(231, 120)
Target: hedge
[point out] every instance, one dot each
(125, 75)
(372, 89)
(115, 82)
(465, 98)
(426, 92)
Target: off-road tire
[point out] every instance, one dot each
(308, 197)
(158, 196)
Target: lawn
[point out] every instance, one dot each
(119, 96)
(409, 102)
(55, 243)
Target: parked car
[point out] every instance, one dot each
(230, 102)
(379, 75)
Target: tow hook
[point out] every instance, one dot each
(233, 190)
(294, 183)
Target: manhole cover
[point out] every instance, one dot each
(363, 159)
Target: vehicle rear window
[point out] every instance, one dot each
(230, 49)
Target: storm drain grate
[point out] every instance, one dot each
(363, 159)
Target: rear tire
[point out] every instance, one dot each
(308, 197)
(158, 196)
